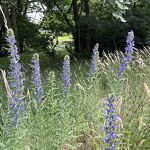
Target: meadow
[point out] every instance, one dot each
(68, 109)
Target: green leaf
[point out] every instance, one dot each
(119, 16)
(121, 5)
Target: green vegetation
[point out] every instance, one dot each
(71, 105)
(87, 21)
(76, 121)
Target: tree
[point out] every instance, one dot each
(9, 9)
(16, 15)
(89, 22)
(2, 31)
(76, 15)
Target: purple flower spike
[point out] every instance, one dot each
(93, 67)
(16, 78)
(36, 78)
(110, 122)
(128, 53)
(66, 73)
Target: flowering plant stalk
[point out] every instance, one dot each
(16, 78)
(66, 73)
(128, 53)
(110, 123)
(111, 117)
(36, 78)
(95, 57)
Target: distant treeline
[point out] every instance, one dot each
(89, 23)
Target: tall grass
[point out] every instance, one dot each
(75, 121)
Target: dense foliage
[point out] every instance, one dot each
(75, 104)
(75, 112)
(89, 22)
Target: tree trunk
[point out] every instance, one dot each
(87, 35)
(25, 7)
(11, 18)
(76, 32)
(22, 9)
(2, 32)
(74, 29)
(14, 25)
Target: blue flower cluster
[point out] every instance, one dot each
(110, 112)
(16, 78)
(66, 73)
(128, 53)
(36, 78)
(110, 125)
(93, 67)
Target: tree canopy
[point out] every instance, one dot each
(88, 21)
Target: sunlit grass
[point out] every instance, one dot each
(75, 121)
(64, 38)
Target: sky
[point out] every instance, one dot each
(36, 16)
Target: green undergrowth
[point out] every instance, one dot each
(75, 121)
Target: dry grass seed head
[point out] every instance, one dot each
(140, 144)
(147, 91)
(119, 105)
(140, 122)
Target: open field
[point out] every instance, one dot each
(76, 121)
